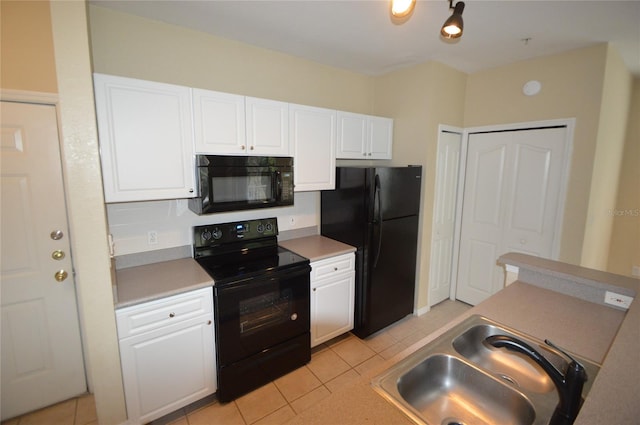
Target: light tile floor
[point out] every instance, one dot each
(333, 365)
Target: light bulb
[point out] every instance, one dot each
(401, 8)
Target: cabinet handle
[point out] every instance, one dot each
(208, 322)
(172, 315)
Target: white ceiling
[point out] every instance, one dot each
(359, 35)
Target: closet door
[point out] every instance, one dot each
(511, 198)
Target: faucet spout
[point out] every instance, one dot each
(569, 385)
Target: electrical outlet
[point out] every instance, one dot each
(622, 301)
(635, 271)
(152, 237)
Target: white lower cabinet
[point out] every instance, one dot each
(332, 297)
(167, 354)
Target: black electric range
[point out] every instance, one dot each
(261, 300)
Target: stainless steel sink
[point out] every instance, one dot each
(459, 379)
(445, 390)
(509, 365)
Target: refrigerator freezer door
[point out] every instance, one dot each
(399, 191)
(344, 210)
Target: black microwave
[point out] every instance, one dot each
(231, 183)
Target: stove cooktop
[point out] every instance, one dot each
(232, 252)
(235, 267)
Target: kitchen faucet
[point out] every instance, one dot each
(569, 385)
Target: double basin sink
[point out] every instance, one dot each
(459, 379)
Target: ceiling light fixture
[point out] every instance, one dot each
(452, 27)
(402, 8)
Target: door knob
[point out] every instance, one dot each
(57, 235)
(58, 254)
(61, 275)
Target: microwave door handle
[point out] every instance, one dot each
(278, 185)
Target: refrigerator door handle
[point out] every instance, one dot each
(378, 219)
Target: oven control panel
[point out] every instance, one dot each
(222, 233)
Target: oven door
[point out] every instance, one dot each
(261, 312)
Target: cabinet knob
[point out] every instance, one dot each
(172, 315)
(251, 148)
(294, 316)
(242, 147)
(208, 322)
(335, 269)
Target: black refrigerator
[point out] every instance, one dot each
(375, 209)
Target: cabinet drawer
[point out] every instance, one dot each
(164, 312)
(332, 266)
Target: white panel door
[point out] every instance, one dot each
(444, 216)
(511, 197)
(41, 350)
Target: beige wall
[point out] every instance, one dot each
(624, 252)
(134, 47)
(29, 32)
(27, 47)
(419, 99)
(572, 87)
(610, 142)
(90, 247)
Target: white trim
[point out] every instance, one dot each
(570, 124)
(422, 311)
(512, 269)
(441, 129)
(29, 96)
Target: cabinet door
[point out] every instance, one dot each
(332, 304)
(352, 136)
(168, 368)
(313, 141)
(219, 123)
(380, 137)
(267, 127)
(145, 135)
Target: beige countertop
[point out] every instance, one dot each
(579, 326)
(593, 331)
(317, 247)
(139, 284)
(153, 281)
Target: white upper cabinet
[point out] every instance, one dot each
(229, 124)
(380, 137)
(219, 122)
(313, 140)
(364, 136)
(145, 136)
(267, 127)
